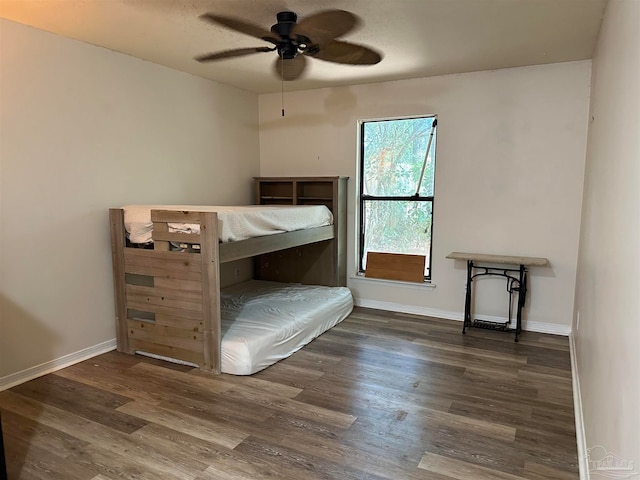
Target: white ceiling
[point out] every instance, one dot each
(418, 38)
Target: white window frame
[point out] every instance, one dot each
(359, 227)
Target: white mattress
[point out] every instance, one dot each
(263, 322)
(234, 222)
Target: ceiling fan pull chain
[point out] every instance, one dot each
(282, 87)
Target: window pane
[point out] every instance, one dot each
(397, 227)
(394, 152)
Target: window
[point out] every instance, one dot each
(397, 165)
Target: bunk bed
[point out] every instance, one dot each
(167, 287)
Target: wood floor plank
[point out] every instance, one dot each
(237, 470)
(548, 373)
(549, 421)
(120, 466)
(461, 470)
(119, 382)
(492, 390)
(535, 471)
(414, 436)
(361, 402)
(39, 435)
(103, 440)
(295, 407)
(321, 362)
(297, 464)
(554, 420)
(534, 443)
(537, 354)
(382, 396)
(481, 427)
(254, 383)
(180, 380)
(181, 422)
(218, 409)
(480, 353)
(204, 452)
(27, 461)
(366, 453)
(81, 399)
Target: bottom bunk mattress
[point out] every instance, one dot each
(263, 322)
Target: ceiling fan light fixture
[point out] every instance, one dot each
(287, 49)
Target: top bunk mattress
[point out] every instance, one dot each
(234, 222)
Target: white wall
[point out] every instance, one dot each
(83, 129)
(607, 338)
(509, 173)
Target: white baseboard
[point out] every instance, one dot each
(57, 364)
(528, 325)
(577, 407)
(543, 327)
(412, 309)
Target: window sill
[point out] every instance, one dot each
(394, 283)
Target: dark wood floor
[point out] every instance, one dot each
(380, 396)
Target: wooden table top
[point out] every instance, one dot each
(502, 259)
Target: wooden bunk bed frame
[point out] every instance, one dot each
(168, 302)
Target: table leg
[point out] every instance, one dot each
(467, 299)
(522, 295)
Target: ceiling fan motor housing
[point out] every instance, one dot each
(287, 47)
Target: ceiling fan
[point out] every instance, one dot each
(314, 36)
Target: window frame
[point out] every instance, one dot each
(362, 198)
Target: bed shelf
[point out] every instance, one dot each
(322, 263)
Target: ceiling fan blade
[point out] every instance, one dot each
(290, 69)
(238, 52)
(323, 27)
(349, 53)
(241, 26)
